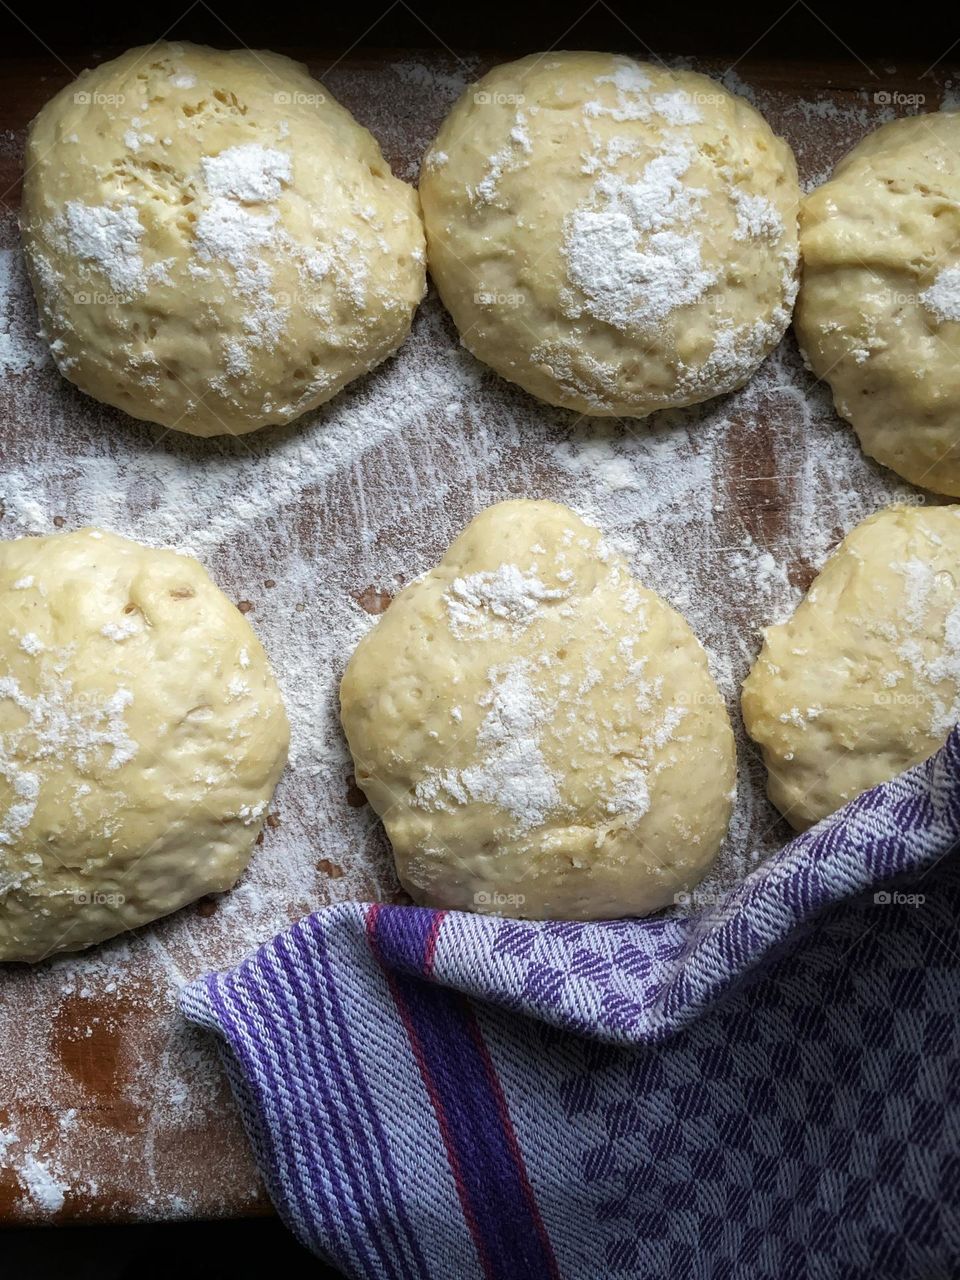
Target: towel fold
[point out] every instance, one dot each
(766, 1088)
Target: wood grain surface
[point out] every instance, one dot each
(111, 1109)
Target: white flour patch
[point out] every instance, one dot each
(108, 238)
(631, 799)
(626, 285)
(507, 595)
(511, 773)
(756, 217)
(250, 173)
(943, 296)
(227, 231)
(45, 1191)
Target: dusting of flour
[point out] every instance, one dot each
(943, 296)
(508, 594)
(726, 510)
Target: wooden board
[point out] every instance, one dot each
(110, 1107)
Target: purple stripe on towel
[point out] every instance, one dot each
(459, 1076)
(312, 941)
(364, 1200)
(407, 937)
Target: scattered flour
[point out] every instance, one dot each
(20, 349)
(512, 774)
(58, 722)
(509, 157)
(120, 631)
(726, 510)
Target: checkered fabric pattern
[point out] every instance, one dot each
(768, 1090)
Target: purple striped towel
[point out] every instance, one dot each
(769, 1088)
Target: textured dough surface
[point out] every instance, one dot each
(864, 680)
(214, 242)
(878, 314)
(613, 236)
(141, 736)
(540, 734)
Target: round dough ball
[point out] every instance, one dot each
(613, 236)
(141, 736)
(214, 242)
(864, 679)
(540, 734)
(878, 314)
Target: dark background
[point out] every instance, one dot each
(818, 33)
(257, 1248)
(820, 30)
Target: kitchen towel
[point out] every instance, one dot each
(765, 1086)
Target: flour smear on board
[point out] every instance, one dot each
(725, 510)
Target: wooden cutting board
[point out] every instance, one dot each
(111, 1108)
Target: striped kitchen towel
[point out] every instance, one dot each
(766, 1088)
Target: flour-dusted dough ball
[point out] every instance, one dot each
(864, 679)
(540, 734)
(214, 242)
(141, 736)
(613, 236)
(879, 309)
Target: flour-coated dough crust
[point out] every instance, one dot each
(863, 680)
(141, 736)
(214, 242)
(878, 314)
(540, 734)
(614, 236)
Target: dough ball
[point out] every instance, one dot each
(613, 236)
(879, 310)
(214, 242)
(540, 734)
(864, 679)
(141, 736)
